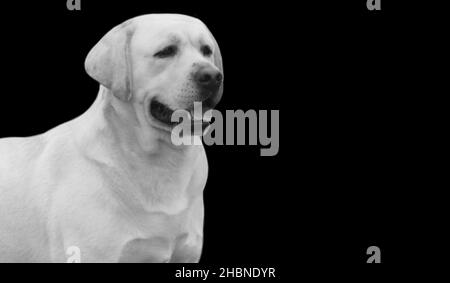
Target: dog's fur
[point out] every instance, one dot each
(111, 182)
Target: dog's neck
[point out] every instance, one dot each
(150, 173)
(114, 124)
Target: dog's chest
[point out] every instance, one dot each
(156, 249)
(155, 189)
(169, 225)
(168, 239)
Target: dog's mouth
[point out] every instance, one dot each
(163, 114)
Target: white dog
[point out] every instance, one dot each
(110, 182)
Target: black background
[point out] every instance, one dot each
(348, 174)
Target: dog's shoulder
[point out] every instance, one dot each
(20, 151)
(26, 157)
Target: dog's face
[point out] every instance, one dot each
(159, 63)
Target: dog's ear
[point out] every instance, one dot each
(109, 62)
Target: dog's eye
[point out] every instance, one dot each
(206, 50)
(168, 51)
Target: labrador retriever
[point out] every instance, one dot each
(111, 183)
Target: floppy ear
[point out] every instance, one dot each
(109, 62)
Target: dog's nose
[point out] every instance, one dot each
(209, 78)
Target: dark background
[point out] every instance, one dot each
(349, 171)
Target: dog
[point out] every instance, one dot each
(111, 183)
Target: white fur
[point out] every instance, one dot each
(110, 182)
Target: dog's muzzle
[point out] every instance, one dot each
(208, 81)
(163, 114)
(208, 78)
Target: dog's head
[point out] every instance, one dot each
(160, 63)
